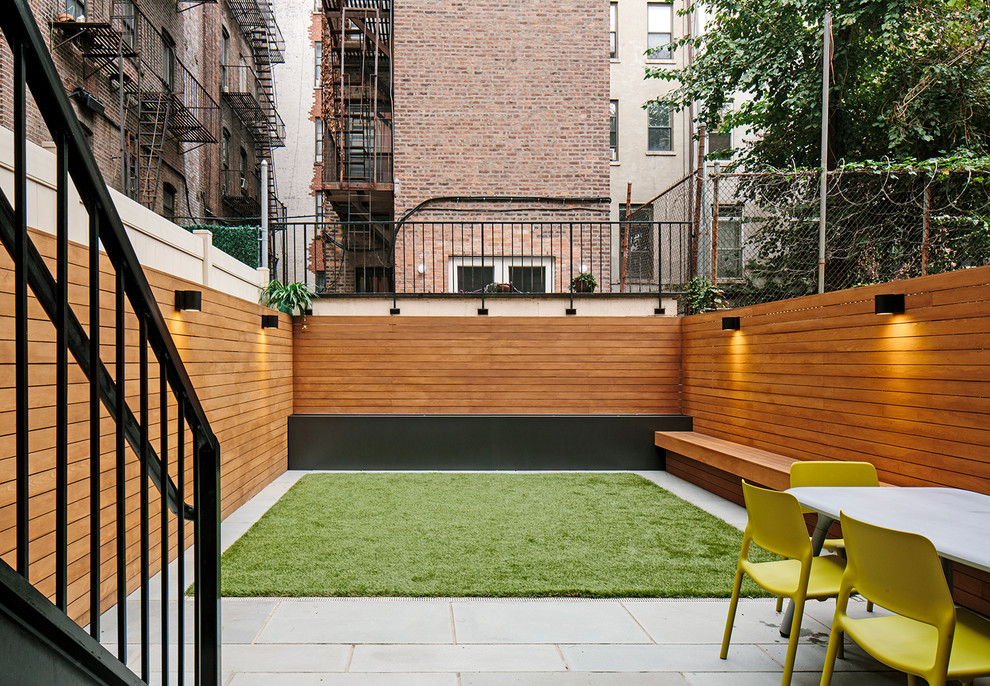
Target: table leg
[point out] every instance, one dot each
(817, 541)
(947, 568)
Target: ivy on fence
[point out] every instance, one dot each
(240, 242)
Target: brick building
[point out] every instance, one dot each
(177, 97)
(437, 115)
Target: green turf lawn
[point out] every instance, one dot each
(591, 535)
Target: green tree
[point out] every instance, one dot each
(911, 78)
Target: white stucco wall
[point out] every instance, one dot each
(158, 243)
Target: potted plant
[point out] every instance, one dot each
(584, 283)
(495, 287)
(288, 297)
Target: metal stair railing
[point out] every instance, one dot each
(108, 398)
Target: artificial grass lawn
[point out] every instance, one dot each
(597, 535)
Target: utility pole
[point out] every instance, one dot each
(263, 239)
(823, 191)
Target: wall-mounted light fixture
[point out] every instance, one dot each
(730, 323)
(189, 300)
(269, 321)
(888, 303)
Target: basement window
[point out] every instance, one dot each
(527, 274)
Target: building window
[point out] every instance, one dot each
(225, 162)
(613, 128)
(471, 279)
(640, 250)
(224, 58)
(168, 61)
(472, 273)
(168, 201)
(660, 138)
(317, 64)
(730, 242)
(319, 141)
(528, 279)
(659, 27)
(613, 30)
(319, 207)
(243, 170)
(720, 146)
(77, 8)
(127, 13)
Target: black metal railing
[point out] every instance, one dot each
(540, 257)
(154, 440)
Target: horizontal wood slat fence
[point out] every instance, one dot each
(241, 373)
(811, 378)
(487, 365)
(823, 377)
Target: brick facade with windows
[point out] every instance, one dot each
(192, 33)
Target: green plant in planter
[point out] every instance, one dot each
(704, 296)
(584, 283)
(288, 297)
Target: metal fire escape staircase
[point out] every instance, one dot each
(257, 107)
(357, 110)
(159, 99)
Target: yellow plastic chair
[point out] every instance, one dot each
(776, 525)
(928, 636)
(832, 473)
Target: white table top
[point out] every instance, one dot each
(957, 522)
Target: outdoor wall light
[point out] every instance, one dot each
(888, 303)
(421, 268)
(189, 300)
(269, 321)
(730, 323)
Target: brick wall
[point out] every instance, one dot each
(500, 97)
(191, 168)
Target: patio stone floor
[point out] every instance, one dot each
(504, 641)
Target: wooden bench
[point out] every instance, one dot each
(718, 465)
(733, 461)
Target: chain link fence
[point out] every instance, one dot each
(755, 236)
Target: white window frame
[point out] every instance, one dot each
(317, 63)
(613, 30)
(660, 22)
(656, 107)
(319, 140)
(500, 267)
(730, 219)
(613, 117)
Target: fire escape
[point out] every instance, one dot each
(250, 92)
(158, 99)
(357, 109)
(356, 84)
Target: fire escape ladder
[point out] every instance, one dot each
(152, 124)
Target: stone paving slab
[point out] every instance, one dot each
(545, 622)
(284, 679)
(358, 621)
(665, 658)
(575, 679)
(456, 658)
